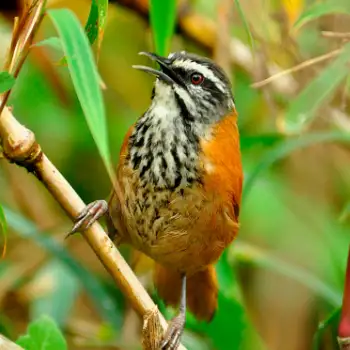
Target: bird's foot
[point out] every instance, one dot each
(90, 214)
(172, 337)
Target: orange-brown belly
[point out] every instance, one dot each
(181, 229)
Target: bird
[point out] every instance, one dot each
(179, 181)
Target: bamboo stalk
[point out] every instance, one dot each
(20, 147)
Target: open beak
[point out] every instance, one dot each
(165, 74)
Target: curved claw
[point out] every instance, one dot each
(173, 334)
(90, 214)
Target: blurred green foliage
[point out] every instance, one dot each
(281, 283)
(6, 81)
(43, 334)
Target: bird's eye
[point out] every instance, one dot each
(197, 78)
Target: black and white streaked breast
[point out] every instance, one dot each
(163, 147)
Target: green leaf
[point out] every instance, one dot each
(247, 253)
(104, 301)
(302, 109)
(333, 318)
(345, 213)
(263, 140)
(58, 300)
(229, 307)
(221, 327)
(43, 334)
(163, 18)
(194, 341)
(96, 22)
(286, 148)
(53, 42)
(7, 81)
(84, 76)
(318, 10)
(3, 229)
(245, 23)
(91, 26)
(6, 326)
(226, 277)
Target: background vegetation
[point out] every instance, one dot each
(281, 282)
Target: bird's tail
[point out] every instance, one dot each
(202, 290)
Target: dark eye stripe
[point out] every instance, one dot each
(207, 83)
(181, 71)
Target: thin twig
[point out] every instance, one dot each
(24, 30)
(296, 68)
(335, 35)
(223, 37)
(20, 147)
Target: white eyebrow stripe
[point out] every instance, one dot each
(191, 65)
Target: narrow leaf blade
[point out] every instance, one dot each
(102, 20)
(58, 301)
(286, 148)
(98, 293)
(333, 318)
(247, 253)
(246, 24)
(53, 42)
(91, 27)
(163, 17)
(96, 22)
(84, 76)
(303, 109)
(3, 230)
(320, 9)
(7, 81)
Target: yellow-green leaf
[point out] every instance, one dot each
(318, 10)
(6, 81)
(3, 229)
(85, 77)
(304, 107)
(163, 18)
(43, 334)
(287, 147)
(243, 252)
(96, 22)
(245, 23)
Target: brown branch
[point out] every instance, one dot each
(19, 146)
(23, 32)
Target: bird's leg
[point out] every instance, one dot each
(90, 214)
(172, 337)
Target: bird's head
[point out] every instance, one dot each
(197, 85)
